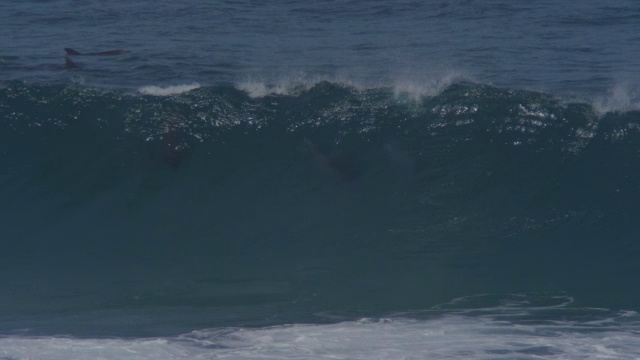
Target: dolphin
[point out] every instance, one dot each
(336, 165)
(68, 63)
(73, 52)
(399, 158)
(173, 148)
(172, 143)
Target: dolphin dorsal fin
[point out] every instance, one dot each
(68, 63)
(70, 51)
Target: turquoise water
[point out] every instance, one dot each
(346, 180)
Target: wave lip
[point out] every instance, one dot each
(168, 90)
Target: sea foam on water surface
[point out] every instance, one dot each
(167, 90)
(442, 337)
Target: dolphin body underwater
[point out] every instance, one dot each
(172, 144)
(337, 165)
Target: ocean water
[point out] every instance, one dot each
(335, 180)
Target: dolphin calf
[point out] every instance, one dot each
(73, 52)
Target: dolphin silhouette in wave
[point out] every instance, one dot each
(337, 165)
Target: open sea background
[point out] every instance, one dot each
(320, 180)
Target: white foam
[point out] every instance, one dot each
(168, 90)
(443, 337)
(426, 86)
(411, 85)
(290, 85)
(260, 89)
(622, 97)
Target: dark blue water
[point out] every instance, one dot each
(351, 179)
(558, 46)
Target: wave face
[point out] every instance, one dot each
(211, 207)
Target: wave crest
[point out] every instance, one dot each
(168, 90)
